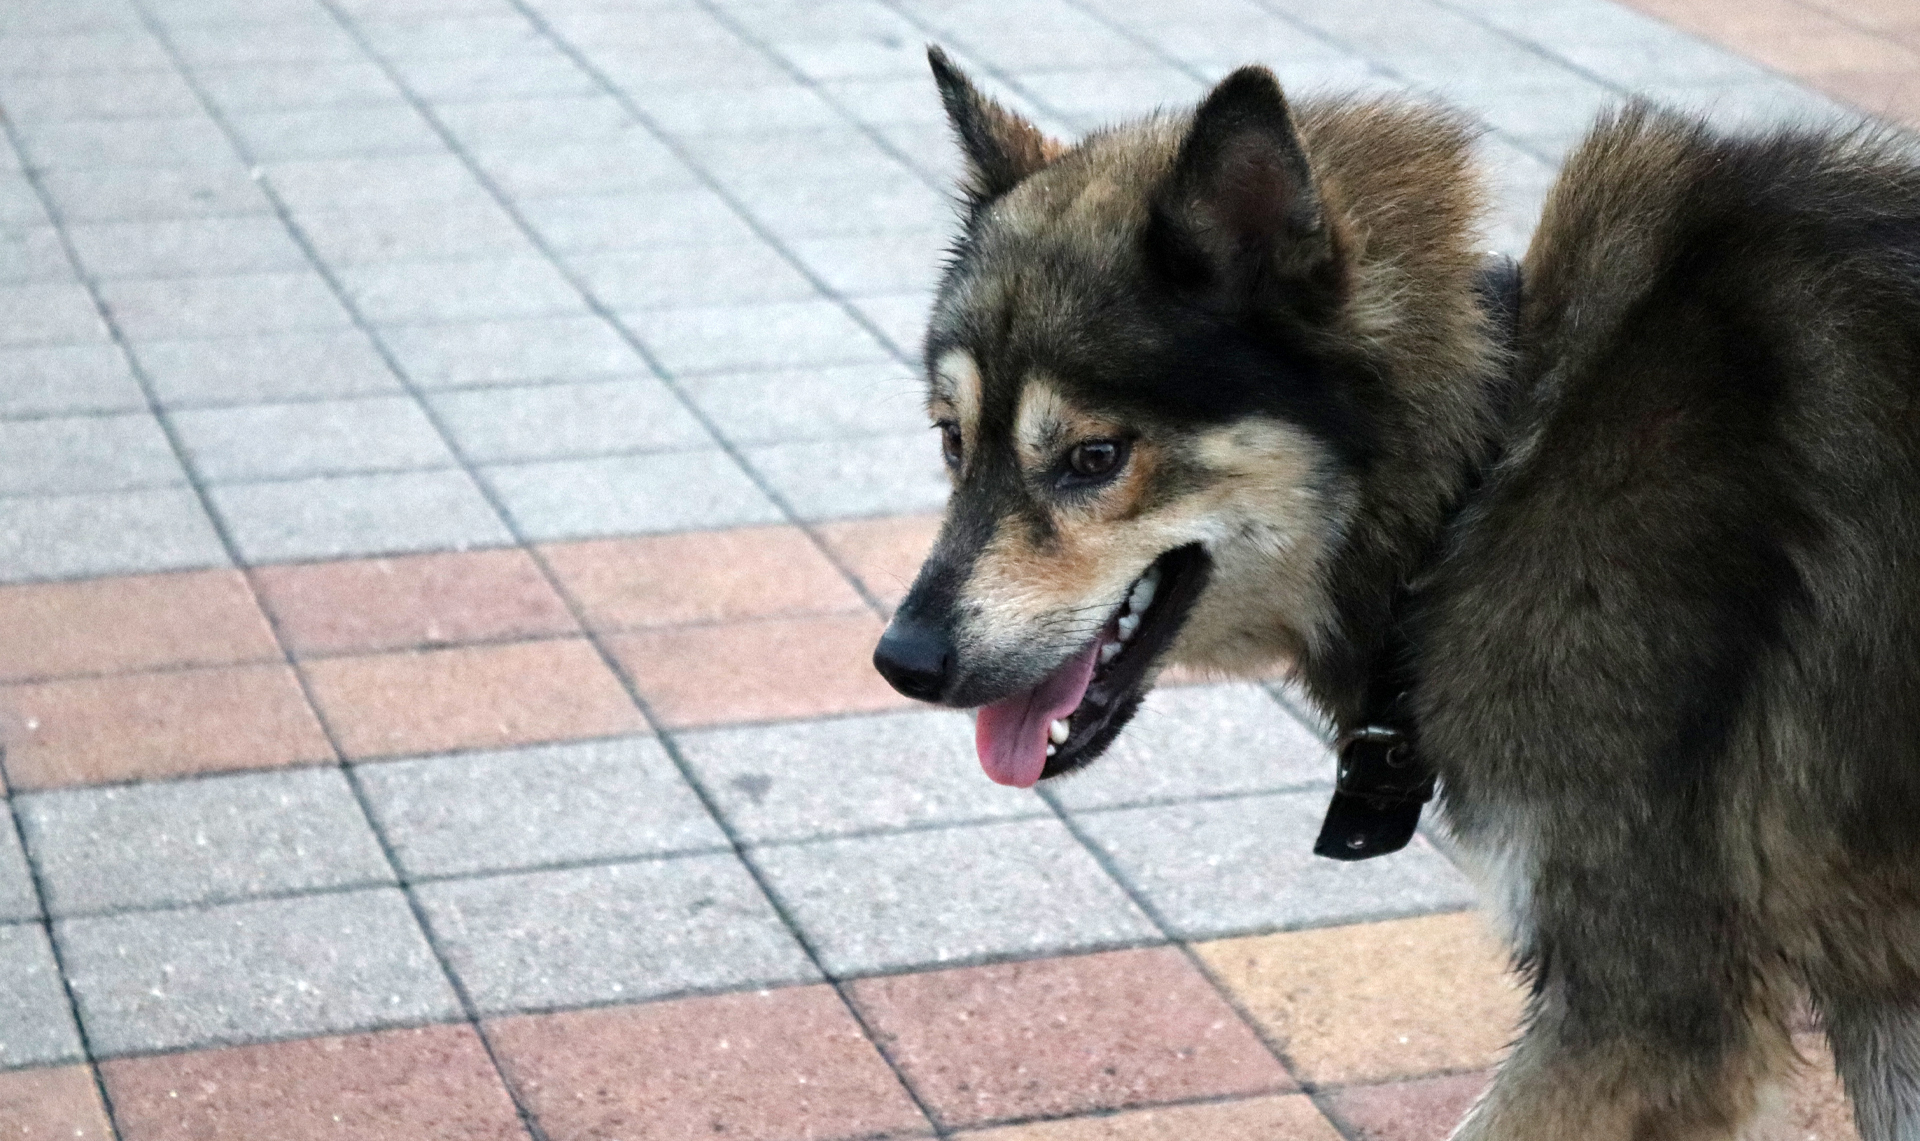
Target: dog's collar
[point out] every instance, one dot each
(1383, 781)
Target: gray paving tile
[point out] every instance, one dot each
(96, 95)
(183, 140)
(324, 437)
(20, 205)
(629, 495)
(54, 379)
(638, 164)
(33, 254)
(475, 289)
(1634, 64)
(49, 17)
(410, 36)
(171, 192)
(622, 932)
(48, 313)
(865, 475)
(18, 899)
(388, 183)
(292, 41)
(863, 265)
(360, 131)
(723, 68)
(847, 206)
(220, 839)
(248, 88)
(244, 972)
(539, 73)
(77, 454)
(593, 223)
(695, 113)
(901, 319)
(266, 367)
(827, 778)
(553, 421)
(787, 334)
(834, 153)
(338, 516)
(166, 308)
(1200, 740)
(465, 228)
(60, 53)
(548, 804)
(776, 405)
(124, 532)
(38, 1029)
(1098, 96)
(917, 899)
(499, 121)
(1226, 867)
(512, 352)
(682, 275)
(186, 247)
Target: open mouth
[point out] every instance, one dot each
(1075, 712)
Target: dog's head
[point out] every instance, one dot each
(1147, 441)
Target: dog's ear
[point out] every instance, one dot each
(1000, 147)
(1238, 216)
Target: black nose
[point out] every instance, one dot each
(915, 658)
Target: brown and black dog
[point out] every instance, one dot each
(1219, 389)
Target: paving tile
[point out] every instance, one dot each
(695, 113)
(105, 50)
(885, 553)
(360, 131)
(1381, 1000)
(432, 1082)
(243, 88)
(131, 622)
(245, 972)
(315, 437)
(1067, 1035)
(772, 669)
(1422, 1109)
(508, 352)
(554, 421)
(166, 308)
(461, 228)
(57, 1102)
(950, 895)
(408, 37)
(187, 842)
(1203, 740)
(66, 379)
(68, 455)
(866, 265)
(771, 406)
(625, 932)
(276, 366)
(803, 209)
(548, 804)
(763, 1066)
(788, 334)
(183, 140)
(473, 289)
(107, 195)
(381, 182)
(901, 319)
(637, 164)
(700, 576)
(626, 495)
(214, 45)
(148, 726)
(19, 900)
(576, 111)
(1253, 1119)
(38, 1030)
(594, 223)
(663, 277)
(1223, 867)
(186, 246)
(533, 76)
(470, 697)
(869, 475)
(335, 516)
(364, 605)
(839, 152)
(852, 774)
(49, 313)
(122, 532)
(97, 95)
(33, 254)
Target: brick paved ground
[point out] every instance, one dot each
(455, 456)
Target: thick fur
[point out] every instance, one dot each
(1665, 554)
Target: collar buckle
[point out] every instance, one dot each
(1381, 787)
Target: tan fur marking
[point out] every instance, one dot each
(956, 394)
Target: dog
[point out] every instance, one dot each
(1630, 565)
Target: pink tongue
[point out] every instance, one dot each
(1011, 734)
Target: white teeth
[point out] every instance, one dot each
(1050, 750)
(1128, 624)
(1109, 652)
(1142, 596)
(1057, 732)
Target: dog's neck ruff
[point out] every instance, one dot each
(1383, 781)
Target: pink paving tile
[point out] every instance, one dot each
(1290, 1117)
(884, 554)
(782, 1065)
(757, 671)
(52, 1105)
(130, 622)
(431, 1084)
(471, 697)
(702, 576)
(145, 726)
(362, 605)
(1424, 1109)
(1062, 1036)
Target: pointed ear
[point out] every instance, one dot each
(1000, 147)
(1239, 214)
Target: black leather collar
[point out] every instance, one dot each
(1383, 782)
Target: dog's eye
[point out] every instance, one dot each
(950, 443)
(1096, 459)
